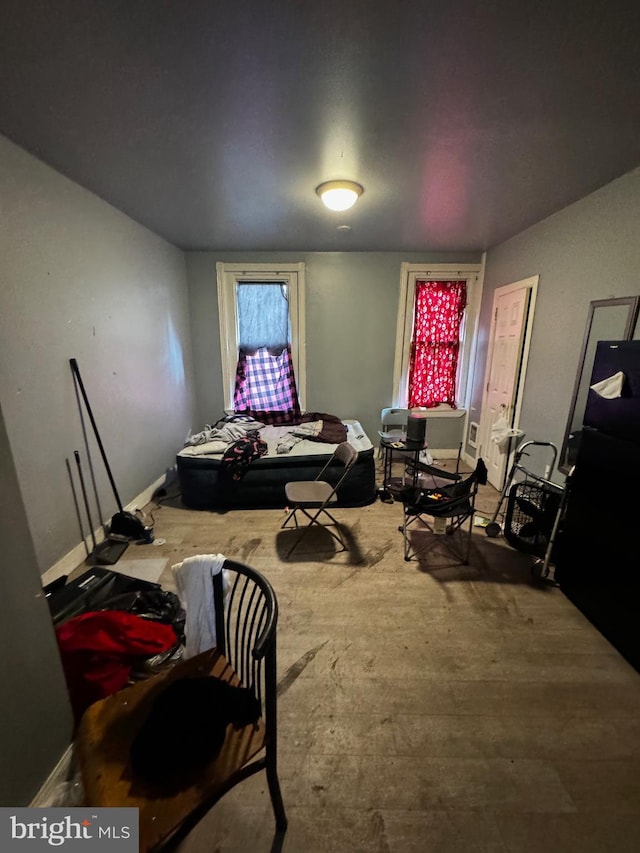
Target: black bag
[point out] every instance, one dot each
(157, 604)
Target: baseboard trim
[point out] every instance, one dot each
(470, 460)
(444, 453)
(60, 774)
(76, 556)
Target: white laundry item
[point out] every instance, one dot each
(194, 585)
(205, 449)
(227, 434)
(611, 387)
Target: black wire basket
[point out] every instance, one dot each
(531, 512)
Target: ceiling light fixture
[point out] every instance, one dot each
(339, 195)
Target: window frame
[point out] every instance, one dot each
(409, 275)
(228, 276)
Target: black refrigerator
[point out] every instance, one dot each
(598, 563)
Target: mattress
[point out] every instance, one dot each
(204, 485)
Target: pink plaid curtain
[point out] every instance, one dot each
(439, 309)
(266, 387)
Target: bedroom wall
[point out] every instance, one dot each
(80, 279)
(30, 745)
(351, 314)
(590, 250)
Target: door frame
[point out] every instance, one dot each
(531, 283)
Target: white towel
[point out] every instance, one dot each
(611, 387)
(194, 585)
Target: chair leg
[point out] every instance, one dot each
(337, 536)
(291, 515)
(405, 538)
(469, 532)
(276, 796)
(409, 554)
(313, 519)
(461, 549)
(305, 530)
(464, 538)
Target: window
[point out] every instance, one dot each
(438, 312)
(437, 318)
(261, 309)
(265, 385)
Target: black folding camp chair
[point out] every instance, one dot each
(441, 514)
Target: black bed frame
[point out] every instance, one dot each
(205, 484)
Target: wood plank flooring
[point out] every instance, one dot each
(425, 706)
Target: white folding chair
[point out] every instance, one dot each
(312, 498)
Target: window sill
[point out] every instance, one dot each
(442, 412)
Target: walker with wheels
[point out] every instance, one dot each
(535, 507)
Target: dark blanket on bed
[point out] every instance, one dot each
(333, 430)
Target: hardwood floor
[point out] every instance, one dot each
(424, 706)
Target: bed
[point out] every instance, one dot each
(204, 485)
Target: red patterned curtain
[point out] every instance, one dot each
(435, 342)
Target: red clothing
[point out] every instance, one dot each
(98, 650)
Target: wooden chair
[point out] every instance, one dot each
(246, 619)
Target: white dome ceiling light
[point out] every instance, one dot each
(339, 195)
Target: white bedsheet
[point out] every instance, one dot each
(356, 436)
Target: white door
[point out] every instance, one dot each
(510, 306)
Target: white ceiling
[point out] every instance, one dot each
(212, 121)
